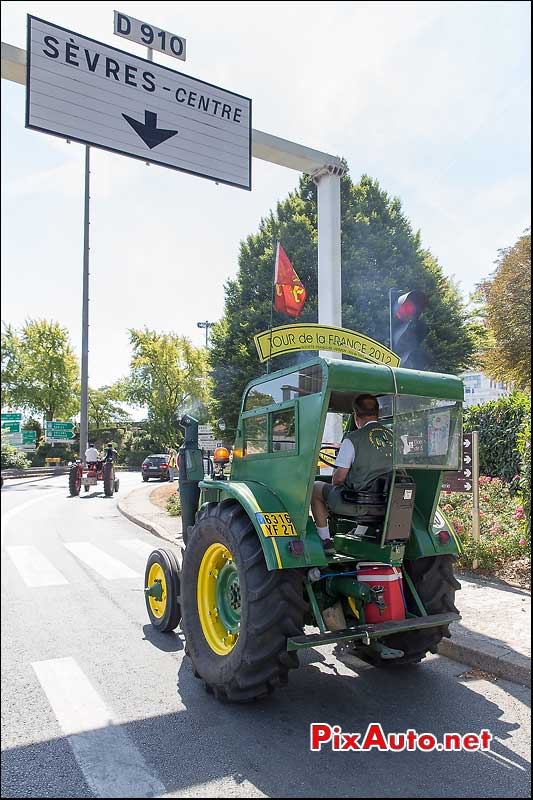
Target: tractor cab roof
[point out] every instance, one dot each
(344, 378)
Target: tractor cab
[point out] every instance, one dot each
(279, 444)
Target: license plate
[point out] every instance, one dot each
(90, 481)
(276, 524)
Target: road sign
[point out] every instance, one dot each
(10, 416)
(11, 427)
(205, 430)
(59, 436)
(24, 437)
(95, 94)
(462, 480)
(56, 425)
(150, 36)
(208, 443)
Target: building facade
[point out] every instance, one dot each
(479, 388)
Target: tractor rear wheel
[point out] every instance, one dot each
(436, 585)
(74, 481)
(108, 475)
(237, 614)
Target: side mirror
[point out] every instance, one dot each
(221, 424)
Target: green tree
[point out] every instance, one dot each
(168, 376)
(39, 369)
(105, 406)
(380, 251)
(507, 295)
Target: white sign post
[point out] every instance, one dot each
(95, 94)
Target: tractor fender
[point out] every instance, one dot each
(258, 500)
(424, 542)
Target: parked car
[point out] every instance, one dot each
(155, 466)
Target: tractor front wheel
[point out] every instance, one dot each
(236, 614)
(162, 592)
(74, 481)
(108, 475)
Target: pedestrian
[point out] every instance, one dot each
(172, 464)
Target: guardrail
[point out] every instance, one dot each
(43, 472)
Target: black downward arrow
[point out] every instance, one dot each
(148, 130)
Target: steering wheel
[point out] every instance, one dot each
(328, 454)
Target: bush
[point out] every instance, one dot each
(11, 458)
(499, 423)
(501, 524)
(174, 505)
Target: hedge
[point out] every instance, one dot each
(500, 423)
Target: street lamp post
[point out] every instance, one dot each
(206, 325)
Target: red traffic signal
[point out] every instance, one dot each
(407, 330)
(410, 305)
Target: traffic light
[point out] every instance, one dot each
(407, 330)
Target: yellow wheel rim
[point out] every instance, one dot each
(157, 607)
(351, 603)
(218, 597)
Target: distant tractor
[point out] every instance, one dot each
(96, 471)
(254, 572)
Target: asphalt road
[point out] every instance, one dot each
(95, 703)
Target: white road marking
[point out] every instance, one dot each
(34, 568)
(110, 762)
(137, 546)
(102, 563)
(18, 509)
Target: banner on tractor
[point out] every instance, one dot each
(311, 336)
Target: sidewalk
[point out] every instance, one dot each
(495, 631)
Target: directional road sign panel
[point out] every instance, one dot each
(11, 427)
(56, 425)
(96, 94)
(461, 481)
(63, 435)
(11, 416)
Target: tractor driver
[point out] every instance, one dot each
(364, 454)
(91, 454)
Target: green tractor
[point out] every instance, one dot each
(254, 574)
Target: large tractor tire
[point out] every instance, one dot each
(108, 475)
(236, 614)
(436, 585)
(163, 606)
(74, 481)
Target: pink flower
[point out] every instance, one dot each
(496, 528)
(447, 507)
(481, 513)
(519, 513)
(522, 542)
(458, 527)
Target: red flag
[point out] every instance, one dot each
(289, 292)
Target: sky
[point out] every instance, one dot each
(432, 99)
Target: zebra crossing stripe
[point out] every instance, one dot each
(111, 763)
(138, 546)
(98, 560)
(34, 568)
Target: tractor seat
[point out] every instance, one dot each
(368, 505)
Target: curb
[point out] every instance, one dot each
(149, 526)
(476, 651)
(485, 654)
